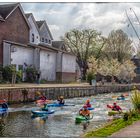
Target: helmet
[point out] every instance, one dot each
(114, 103)
(61, 97)
(37, 92)
(85, 107)
(88, 100)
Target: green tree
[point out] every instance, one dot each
(118, 46)
(84, 43)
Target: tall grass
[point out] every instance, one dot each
(135, 98)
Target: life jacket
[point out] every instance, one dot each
(88, 104)
(85, 112)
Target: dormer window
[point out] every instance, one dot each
(33, 38)
(42, 39)
(46, 40)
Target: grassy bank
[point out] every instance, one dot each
(111, 127)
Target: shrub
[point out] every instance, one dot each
(18, 76)
(135, 97)
(90, 76)
(31, 74)
(7, 72)
(43, 81)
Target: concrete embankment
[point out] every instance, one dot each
(16, 94)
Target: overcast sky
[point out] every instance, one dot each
(104, 17)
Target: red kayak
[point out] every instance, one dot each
(110, 106)
(2, 101)
(43, 101)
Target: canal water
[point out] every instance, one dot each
(19, 121)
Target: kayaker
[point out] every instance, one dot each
(88, 103)
(122, 96)
(61, 100)
(115, 107)
(42, 97)
(84, 112)
(45, 108)
(4, 105)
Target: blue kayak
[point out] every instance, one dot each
(39, 112)
(59, 105)
(3, 110)
(121, 98)
(90, 108)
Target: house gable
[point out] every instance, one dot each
(45, 34)
(34, 31)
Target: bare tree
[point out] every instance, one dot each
(84, 43)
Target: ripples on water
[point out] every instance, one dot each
(19, 121)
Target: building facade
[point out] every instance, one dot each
(25, 41)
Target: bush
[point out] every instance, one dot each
(136, 99)
(31, 74)
(19, 76)
(43, 81)
(7, 72)
(90, 76)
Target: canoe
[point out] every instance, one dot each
(3, 110)
(79, 119)
(121, 98)
(59, 105)
(39, 112)
(111, 113)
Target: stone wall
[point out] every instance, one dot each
(15, 95)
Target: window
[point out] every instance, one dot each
(42, 39)
(49, 41)
(46, 40)
(33, 39)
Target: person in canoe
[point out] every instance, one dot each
(115, 107)
(88, 103)
(61, 100)
(84, 111)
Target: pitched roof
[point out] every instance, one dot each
(40, 23)
(5, 10)
(1, 18)
(28, 14)
(58, 44)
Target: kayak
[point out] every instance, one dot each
(79, 118)
(59, 105)
(38, 112)
(121, 98)
(43, 101)
(90, 108)
(111, 113)
(3, 110)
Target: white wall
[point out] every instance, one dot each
(34, 31)
(22, 55)
(48, 65)
(68, 63)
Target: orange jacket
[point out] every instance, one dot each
(85, 112)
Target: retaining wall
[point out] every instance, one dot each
(15, 95)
